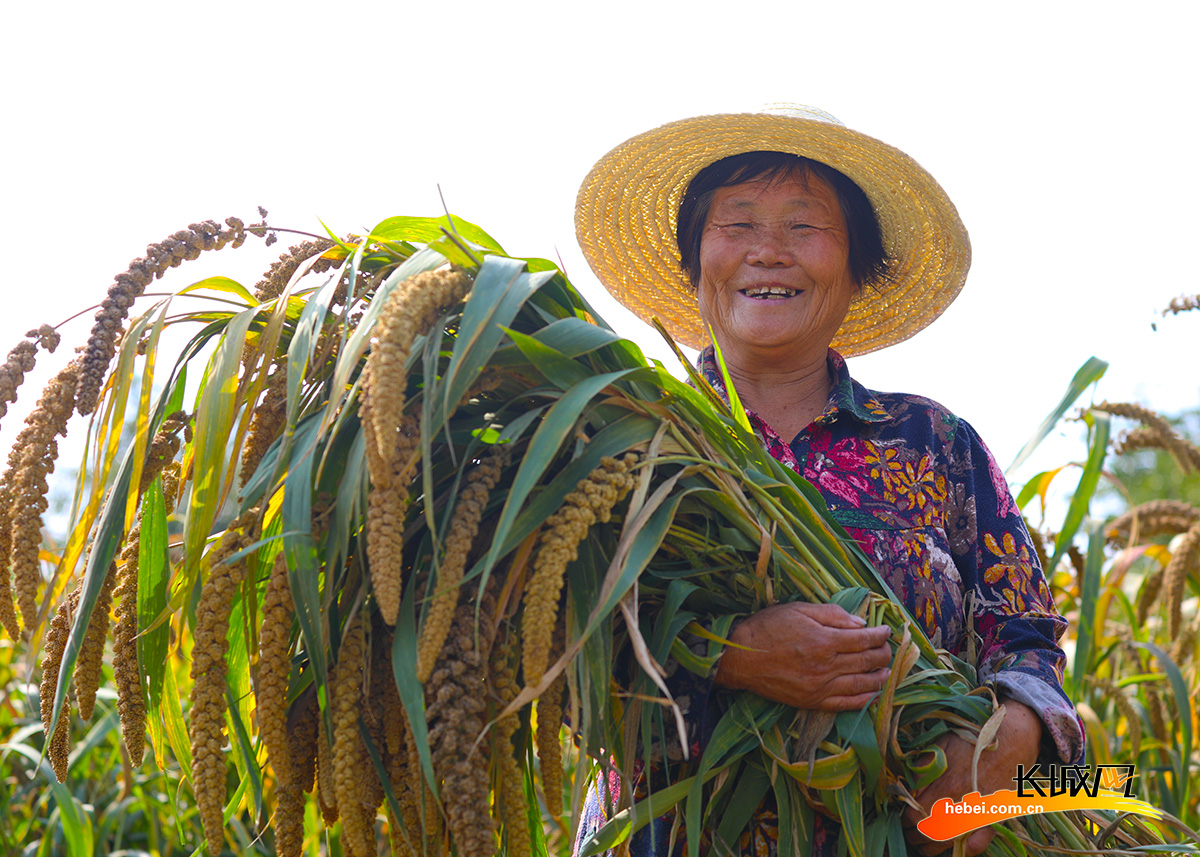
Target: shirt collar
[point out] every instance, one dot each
(846, 396)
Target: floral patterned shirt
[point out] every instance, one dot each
(917, 489)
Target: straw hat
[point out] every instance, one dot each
(626, 211)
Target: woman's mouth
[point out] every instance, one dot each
(769, 293)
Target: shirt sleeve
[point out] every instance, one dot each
(1015, 625)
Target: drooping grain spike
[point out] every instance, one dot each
(347, 693)
(164, 446)
(1156, 711)
(131, 706)
(1148, 594)
(1185, 453)
(34, 454)
(8, 611)
(468, 512)
(207, 728)
(1078, 563)
(510, 785)
(280, 273)
(456, 703)
(274, 668)
(1154, 518)
(170, 484)
(267, 422)
(302, 737)
(128, 286)
(404, 773)
(1185, 644)
(289, 821)
(1183, 303)
(592, 500)
(411, 310)
(57, 735)
(90, 663)
(326, 792)
(549, 744)
(386, 507)
(1185, 560)
(21, 361)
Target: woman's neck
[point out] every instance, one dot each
(787, 399)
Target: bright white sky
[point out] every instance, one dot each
(1064, 132)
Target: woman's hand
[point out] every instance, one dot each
(808, 656)
(1017, 743)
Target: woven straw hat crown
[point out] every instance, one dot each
(626, 210)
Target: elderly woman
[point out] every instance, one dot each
(795, 242)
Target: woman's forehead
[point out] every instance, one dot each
(783, 193)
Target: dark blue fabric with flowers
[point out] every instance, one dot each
(917, 489)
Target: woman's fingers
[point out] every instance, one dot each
(864, 661)
(852, 692)
(808, 656)
(829, 615)
(862, 639)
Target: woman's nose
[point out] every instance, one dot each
(771, 249)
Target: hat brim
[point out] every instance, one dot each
(626, 210)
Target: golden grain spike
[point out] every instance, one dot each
(1184, 646)
(1185, 453)
(289, 821)
(1154, 518)
(1078, 562)
(347, 693)
(8, 611)
(36, 450)
(405, 832)
(1185, 560)
(207, 728)
(274, 667)
(164, 446)
(510, 784)
(472, 502)
(1183, 303)
(1148, 594)
(131, 706)
(280, 273)
(302, 737)
(374, 714)
(57, 734)
(182, 246)
(326, 793)
(591, 501)
(90, 663)
(269, 417)
(21, 361)
(411, 310)
(549, 744)
(386, 507)
(1156, 710)
(456, 703)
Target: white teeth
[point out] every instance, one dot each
(769, 292)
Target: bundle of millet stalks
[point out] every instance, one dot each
(452, 510)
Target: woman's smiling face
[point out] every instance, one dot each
(774, 272)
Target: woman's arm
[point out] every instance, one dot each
(1017, 743)
(1016, 624)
